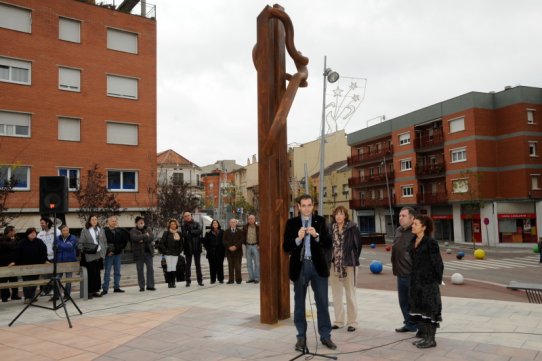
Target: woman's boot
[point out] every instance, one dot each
(429, 340)
(422, 331)
(168, 279)
(172, 278)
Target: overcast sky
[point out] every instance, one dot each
(412, 54)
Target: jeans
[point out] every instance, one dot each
(111, 261)
(147, 262)
(319, 287)
(403, 286)
(253, 262)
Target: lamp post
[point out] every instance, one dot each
(389, 194)
(332, 77)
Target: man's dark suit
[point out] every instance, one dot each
(314, 271)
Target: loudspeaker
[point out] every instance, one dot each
(53, 194)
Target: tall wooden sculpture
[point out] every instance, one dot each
(275, 35)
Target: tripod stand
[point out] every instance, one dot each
(307, 352)
(56, 285)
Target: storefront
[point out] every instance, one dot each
(472, 226)
(444, 227)
(517, 227)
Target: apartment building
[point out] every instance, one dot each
(77, 88)
(472, 163)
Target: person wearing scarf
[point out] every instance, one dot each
(346, 251)
(171, 245)
(93, 234)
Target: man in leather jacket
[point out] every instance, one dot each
(191, 231)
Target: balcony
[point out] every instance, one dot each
(426, 142)
(430, 170)
(432, 198)
(535, 193)
(371, 203)
(369, 180)
(363, 158)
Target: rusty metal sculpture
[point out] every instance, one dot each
(275, 33)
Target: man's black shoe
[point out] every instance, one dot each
(15, 297)
(187, 284)
(142, 290)
(151, 289)
(230, 282)
(351, 329)
(403, 329)
(256, 282)
(103, 293)
(335, 327)
(250, 281)
(301, 344)
(118, 290)
(329, 344)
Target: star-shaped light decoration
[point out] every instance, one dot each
(337, 92)
(353, 85)
(355, 98)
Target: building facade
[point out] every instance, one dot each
(78, 88)
(173, 167)
(472, 163)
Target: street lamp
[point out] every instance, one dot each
(329, 76)
(389, 194)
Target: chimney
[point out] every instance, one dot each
(248, 161)
(254, 158)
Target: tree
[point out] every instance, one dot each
(94, 198)
(6, 188)
(173, 198)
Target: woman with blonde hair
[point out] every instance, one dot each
(345, 254)
(171, 245)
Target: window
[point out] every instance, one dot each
(73, 177)
(20, 175)
(69, 79)
(404, 138)
(371, 171)
(15, 18)
(532, 149)
(459, 155)
(407, 191)
(69, 129)
(373, 194)
(457, 125)
(122, 41)
(118, 86)
(460, 185)
(14, 124)
(122, 180)
(334, 191)
(122, 133)
(15, 71)
(381, 193)
(406, 164)
(534, 181)
(530, 116)
(178, 178)
(69, 30)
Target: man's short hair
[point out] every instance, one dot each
(138, 218)
(303, 197)
(8, 229)
(411, 211)
(62, 227)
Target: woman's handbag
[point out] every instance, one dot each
(90, 248)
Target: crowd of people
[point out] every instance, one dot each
(318, 253)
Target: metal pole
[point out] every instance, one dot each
(389, 194)
(306, 179)
(322, 146)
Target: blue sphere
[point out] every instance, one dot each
(460, 255)
(373, 245)
(376, 267)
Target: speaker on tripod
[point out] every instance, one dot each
(53, 194)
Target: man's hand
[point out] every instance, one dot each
(312, 232)
(301, 233)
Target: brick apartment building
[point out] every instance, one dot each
(77, 87)
(473, 163)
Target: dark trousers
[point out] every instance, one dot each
(5, 291)
(30, 292)
(234, 266)
(94, 278)
(216, 268)
(147, 262)
(197, 262)
(403, 287)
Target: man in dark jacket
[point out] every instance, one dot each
(307, 240)
(401, 264)
(142, 246)
(233, 243)
(8, 244)
(117, 238)
(192, 233)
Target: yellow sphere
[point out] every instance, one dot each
(479, 254)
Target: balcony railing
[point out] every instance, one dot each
(369, 157)
(432, 198)
(424, 141)
(430, 170)
(369, 180)
(371, 203)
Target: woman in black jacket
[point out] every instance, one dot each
(171, 245)
(345, 254)
(31, 250)
(215, 252)
(425, 304)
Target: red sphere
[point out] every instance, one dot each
(388, 248)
